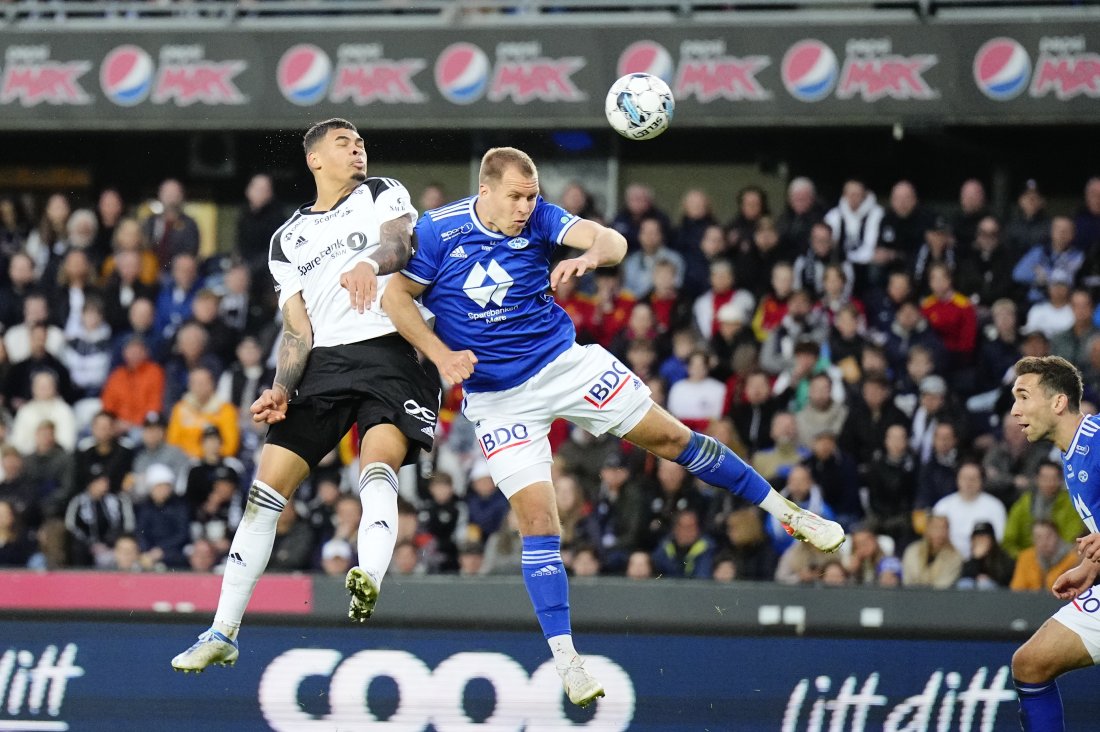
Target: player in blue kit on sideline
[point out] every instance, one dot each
(482, 266)
(1048, 407)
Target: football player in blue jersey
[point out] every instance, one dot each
(1048, 407)
(482, 266)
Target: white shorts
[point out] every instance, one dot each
(1082, 616)
(585, 385)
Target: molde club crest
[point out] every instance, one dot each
(184, 76)
(521, 72)
(1064, 68)
(871, 71)
(705, 72)
(363, 75)
(31, 77)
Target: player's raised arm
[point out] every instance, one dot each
(602, 245)
(398, 301)
(294, 347)
(394, 249)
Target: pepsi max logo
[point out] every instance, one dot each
(1002, 69)
(462, 73)
(185, 76)
(809, 70)
(303, 74)
(646, 57)
(126, 75)
(31, 78)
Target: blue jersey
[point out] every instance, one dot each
(1083, 470)
(489, 292)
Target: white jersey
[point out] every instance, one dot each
(312, 249)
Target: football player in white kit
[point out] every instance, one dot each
(1048, 407)
(482, 266)
(340, 363)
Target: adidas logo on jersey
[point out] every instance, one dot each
(458, 253)
(547, 571)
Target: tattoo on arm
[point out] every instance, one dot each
(395, 244)
(294, 350)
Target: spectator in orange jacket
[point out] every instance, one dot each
(1039, 565)
(199, 407)
(135, 388)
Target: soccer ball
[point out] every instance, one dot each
(639, 106)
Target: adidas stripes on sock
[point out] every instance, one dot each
(378, 527)
(248, 555)
(1040, 707)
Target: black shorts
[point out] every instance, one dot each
(378, 381)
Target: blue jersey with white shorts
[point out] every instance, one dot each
(489, 291)
(1082, 463)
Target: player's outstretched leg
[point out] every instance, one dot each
(248, 557)
(548, 587)
(708, 459)
(377, 537)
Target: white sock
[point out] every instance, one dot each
(777, 505)
(562, 648)
(248, 556)
(378, 528)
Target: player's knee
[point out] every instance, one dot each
(1028, 667)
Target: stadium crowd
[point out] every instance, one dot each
(858, 354)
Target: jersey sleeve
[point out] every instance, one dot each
(288, 282)
(391, 199)
(552, 222)
(423, 265)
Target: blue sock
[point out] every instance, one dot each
(1040, 707)
(708, 459)
(547, 585)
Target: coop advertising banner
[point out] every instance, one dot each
(526, 76)
(116, 676)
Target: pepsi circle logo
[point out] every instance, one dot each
(303, 74)
(126, 75)
(809, 70)
(646, 57)
(1002, 69)
(462, 73)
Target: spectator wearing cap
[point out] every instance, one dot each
(938, 248)
(989, 566)
(985, 272)
(336, 557)
(734, 331)
(45, 405)
(889, 572)
(95, 518)
(163, 527)
(969, 505)
(135, 388)
(1036, 268)
(218, 515)
(1029, 222)
(638, 265)
(620, 512)
(1055, 314)
(1047, 559)
(200, 408)
(869, 416)
(211, 464)
(106, 452)
(152, 450)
